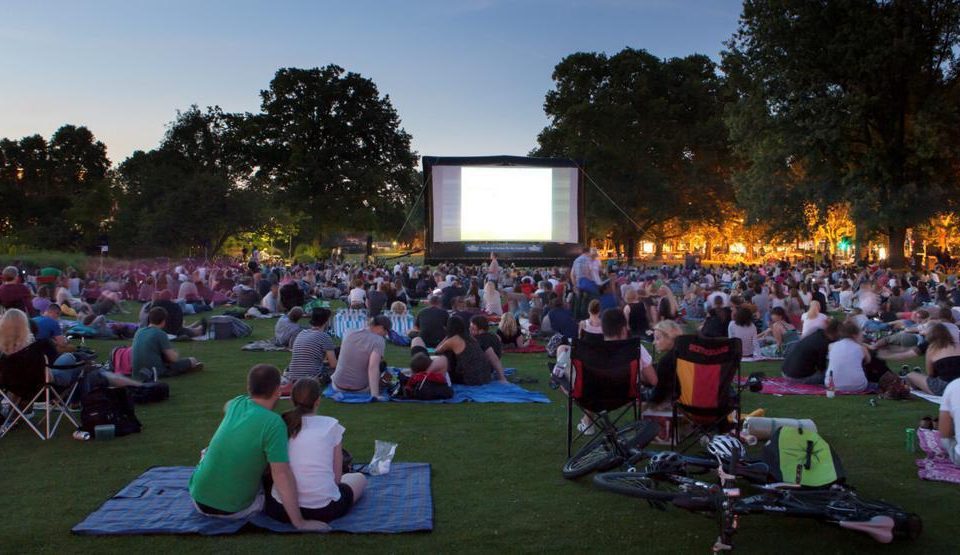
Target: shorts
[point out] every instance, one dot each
(936, 385)
(333, 510)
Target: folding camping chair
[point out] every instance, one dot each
(28, 375)
(604, 377)
(706, 389)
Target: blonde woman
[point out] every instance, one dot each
(662, 375)
(813, 319)
(14, 331)
(492, 303)
(510, 333)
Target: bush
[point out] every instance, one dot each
(39, 259)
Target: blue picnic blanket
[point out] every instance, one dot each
(493, 392)
(158, 502)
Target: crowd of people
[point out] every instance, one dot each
(838, 326)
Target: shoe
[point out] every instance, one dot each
(586, 429)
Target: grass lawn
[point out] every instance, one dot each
(496, 474)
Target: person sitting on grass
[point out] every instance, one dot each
(288, 327)
(361, 354)
(313, 351)
(949, 415)
(467, 362)
(431, 323)
(153, 357)
(489, 343)
(805, 361)
(779, 337)
(14, 294)
(510, 333)
(743, 328)
(813, 319)
(942, 362)
(846, 359)
(315, 449)
(229, 480)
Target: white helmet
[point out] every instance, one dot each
(723, 447)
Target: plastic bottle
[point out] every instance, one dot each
(80, 435)
(831, 389)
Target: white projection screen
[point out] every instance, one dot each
(504, 203)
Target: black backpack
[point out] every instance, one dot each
(152, 392)
(108, 405)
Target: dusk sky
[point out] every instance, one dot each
(467, 77)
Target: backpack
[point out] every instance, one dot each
(121, 360)
(153, 392)
(425, 386)
(802, 457)
(228, 327)
(108, 405)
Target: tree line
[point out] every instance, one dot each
(815, 109)
(326, 153)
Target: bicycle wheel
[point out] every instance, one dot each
(597, 454)
(652, 487)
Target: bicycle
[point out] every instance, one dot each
(838, 504)
(611, 447)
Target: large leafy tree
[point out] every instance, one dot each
(328, 145)
(846, 101)
(55, 194)
(188, 195)
(651, 134)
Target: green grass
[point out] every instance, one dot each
(496, 474)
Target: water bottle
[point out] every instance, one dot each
(80, 435)
(831, 390)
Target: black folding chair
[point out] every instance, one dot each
(604, 378)
(27, 376)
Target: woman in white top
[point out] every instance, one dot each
(846, 296)
(592, 324)
(492, 302)
(316, 459)
(949, 414)
(357, 297)
(845, 360)
(743, 328)
(813, 319)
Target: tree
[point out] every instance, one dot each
(852, 100)
(651, 134)
(328, 145)
(55, 194)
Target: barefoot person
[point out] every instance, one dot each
(251, 438)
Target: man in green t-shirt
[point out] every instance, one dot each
(153, 356)
(227, 482)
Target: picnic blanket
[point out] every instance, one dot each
(158, 502)
(531, 348)
(493, 392)
(937, 466)
(935, 399)
(263, 345)
(782, 386)
(348, 320)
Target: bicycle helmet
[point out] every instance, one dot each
(723, 447)
(666, 462)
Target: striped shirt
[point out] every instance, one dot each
(309, 354)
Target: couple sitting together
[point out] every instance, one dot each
(462, 357)
(291, 467)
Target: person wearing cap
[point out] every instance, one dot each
(361, 353)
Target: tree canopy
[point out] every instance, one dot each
(650, 132)
(846, 102)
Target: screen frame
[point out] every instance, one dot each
(435, 251)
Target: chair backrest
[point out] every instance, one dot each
(606, 373)
(706, 368)
(24, 372)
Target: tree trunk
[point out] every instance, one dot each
(896, 236)
(631, 249)
(708, 250)
(658, 252)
